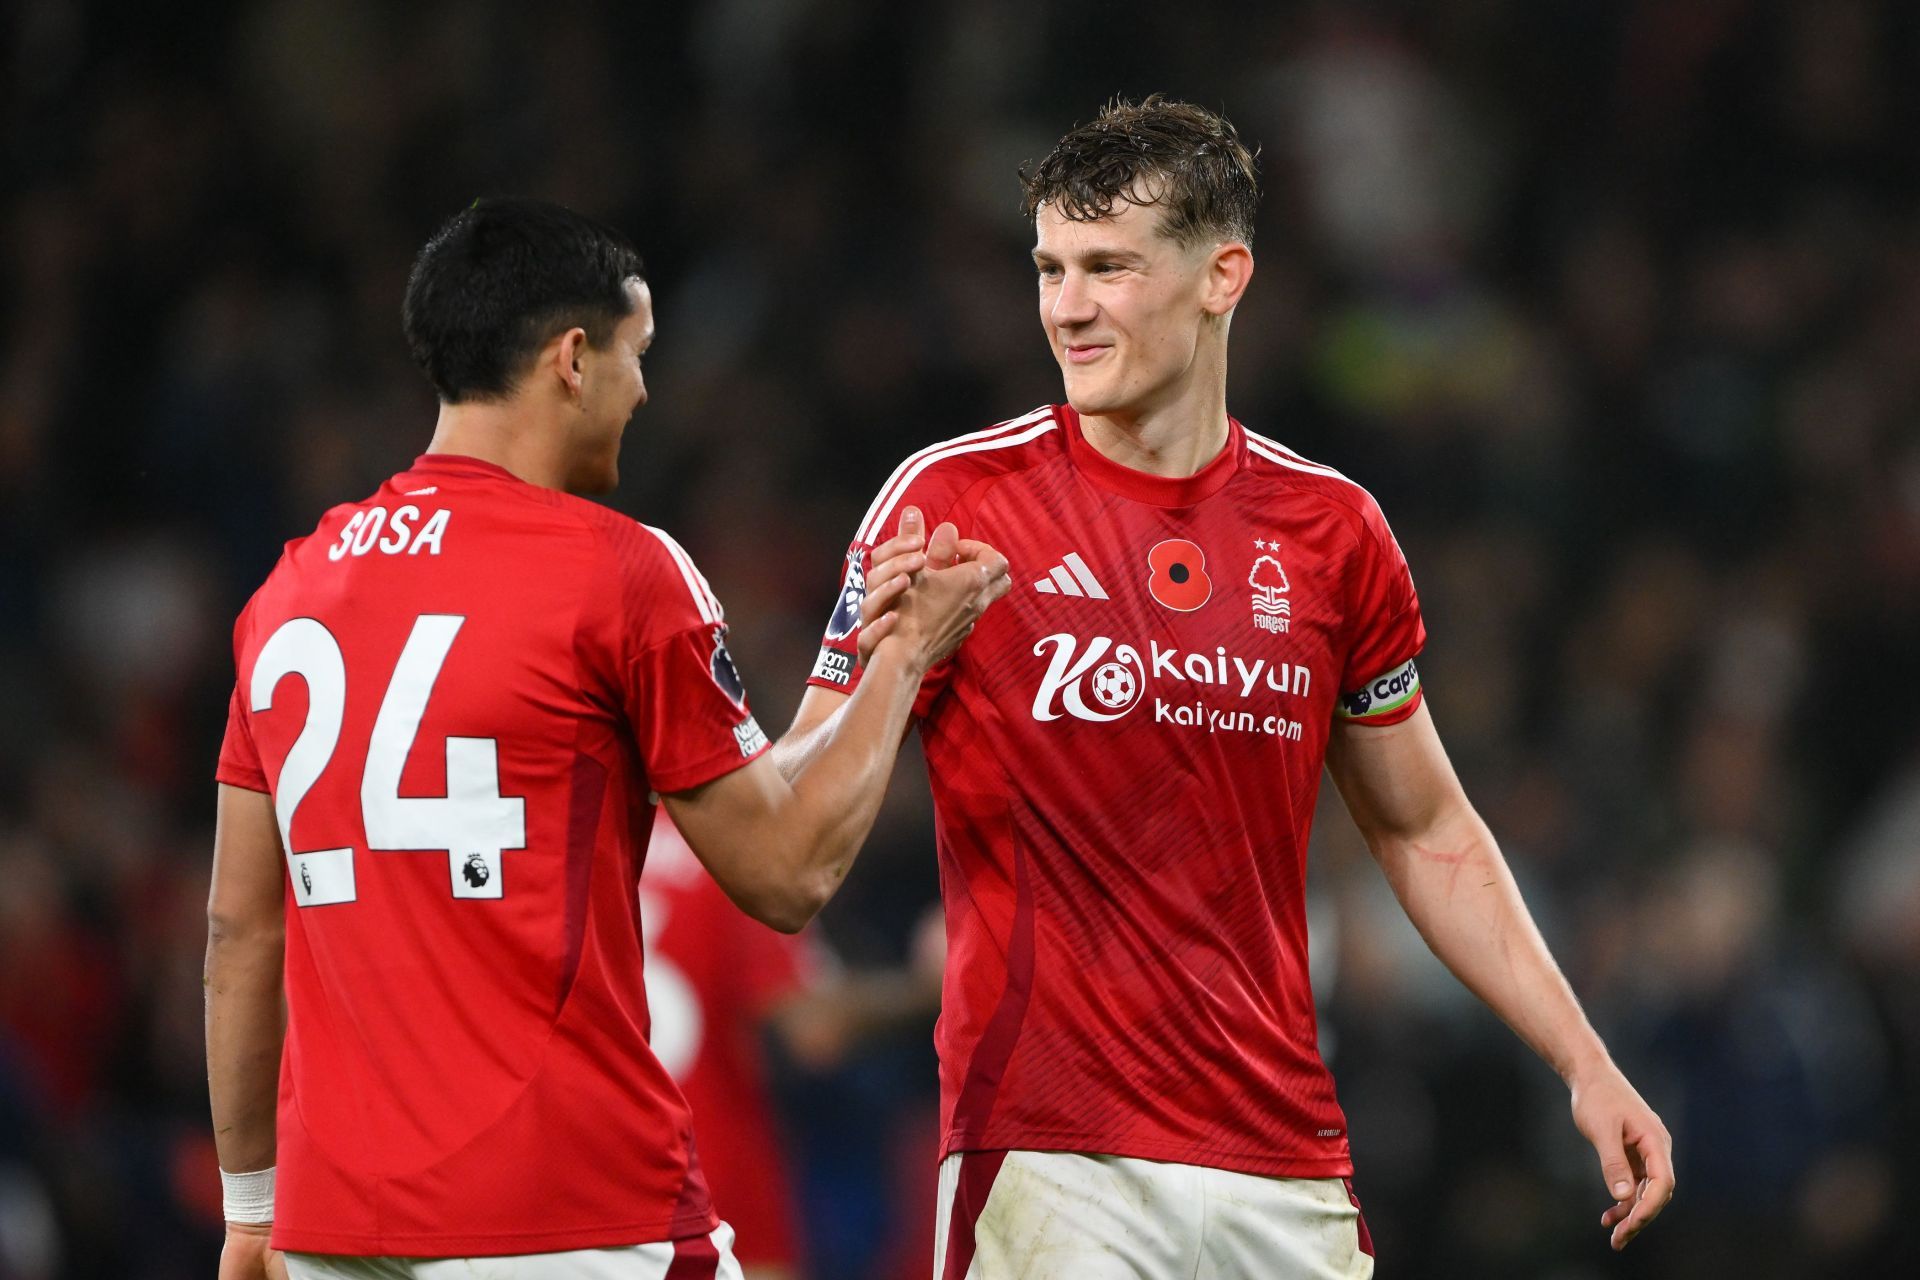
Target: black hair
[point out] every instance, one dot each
(499, 279)
(1187, 160)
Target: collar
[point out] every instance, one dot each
(1142, 486)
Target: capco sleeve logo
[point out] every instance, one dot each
(1179, 575)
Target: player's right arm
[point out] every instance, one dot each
(780, 843)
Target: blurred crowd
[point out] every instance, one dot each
(1613, 304)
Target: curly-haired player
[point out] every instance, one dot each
(1125, 759)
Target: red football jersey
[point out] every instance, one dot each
(1124, 759)
(460, 693)
(713, 975)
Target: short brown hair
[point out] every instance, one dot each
(1188, 159)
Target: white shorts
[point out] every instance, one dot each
(1061, 1215)
(708, 1257)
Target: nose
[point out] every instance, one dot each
(1072, 303)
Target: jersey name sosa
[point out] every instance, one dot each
(1125, 757)
(459, 734)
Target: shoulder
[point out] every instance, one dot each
(1273, 463)
(937, 476)
(651, 567)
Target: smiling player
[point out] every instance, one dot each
(1125, 759)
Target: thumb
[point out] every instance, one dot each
(944, 548)
(1613, 1164)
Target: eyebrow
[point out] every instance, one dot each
(1097, 253)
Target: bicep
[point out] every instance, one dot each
(248, 881)
(1396, 779)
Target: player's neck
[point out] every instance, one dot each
(1174, 440)
(501, 433)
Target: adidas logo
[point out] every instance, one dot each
(1071, 577)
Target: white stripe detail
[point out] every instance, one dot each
(703, 598)
(905, 474)
(1046, 588)
(1087, 580)
(1067, 585)
(1287, 458)
(1273, 451)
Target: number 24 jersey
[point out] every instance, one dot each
(460, 693)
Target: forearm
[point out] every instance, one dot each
(1460, 894)
(245, 1029)
(839, 786)
(795, 749)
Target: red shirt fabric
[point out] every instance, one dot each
(713, 976)
(1124, 758)
(460, 693)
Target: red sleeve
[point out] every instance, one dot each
(689, 710)
(239, 764)
(1379, 683)
(239, 758)
(677, 684)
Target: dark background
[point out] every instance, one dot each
(1615, 306)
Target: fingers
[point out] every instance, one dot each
(872, 633)
(900, 544)
(912, 523)
(887, 590)
(1653, 1152)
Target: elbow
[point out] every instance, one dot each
(790, 904)
(229, 933)
(792, 908)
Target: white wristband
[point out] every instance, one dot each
(247, 1197)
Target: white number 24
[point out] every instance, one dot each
(473, 822)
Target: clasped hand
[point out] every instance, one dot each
(925, 595)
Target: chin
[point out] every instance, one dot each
(1096, 401)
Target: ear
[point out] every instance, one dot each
(1228, 272)
(563, 356)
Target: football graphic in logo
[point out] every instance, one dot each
(1115, 686)
(846, 614)
(1179, 579)
(725, 674)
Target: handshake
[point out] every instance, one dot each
(925, 595)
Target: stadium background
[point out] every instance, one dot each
(1614, 305)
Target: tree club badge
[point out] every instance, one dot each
(1271, 608)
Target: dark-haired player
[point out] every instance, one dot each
(1125, 760)
(455, 700)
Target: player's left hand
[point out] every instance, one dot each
(247, 1256)
(1635, 1149)
(897, 565)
